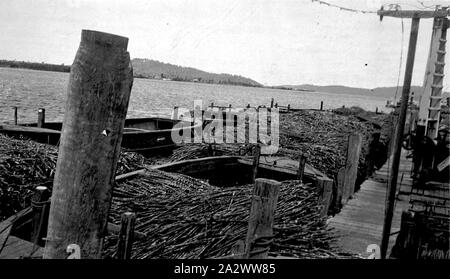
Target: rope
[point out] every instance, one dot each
(401, 60)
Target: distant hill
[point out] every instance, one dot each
(385, 92)
(146, 68)
(34, 66)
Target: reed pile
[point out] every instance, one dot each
(25, 164)
(186, 218)
(201, 150)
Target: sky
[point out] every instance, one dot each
(274, 42)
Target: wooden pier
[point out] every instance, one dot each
(360, 222)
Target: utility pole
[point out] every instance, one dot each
(392, 186)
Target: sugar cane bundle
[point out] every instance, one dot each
(184, 218)
(25, 164)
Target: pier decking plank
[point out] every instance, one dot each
(360, 222)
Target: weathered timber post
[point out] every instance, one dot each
(41, 118)
(15, 115)
(126, 236)
(256, 161)
(376, 110)
(321, 105)
(351, 165)
(40, 206)
(301, 167)
(100, 82)
(260, 222)
(276, 105)
(289, 107)
(271, 103)
(248, 106)
(325, 186)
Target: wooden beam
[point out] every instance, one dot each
(100, 82)
(398, 138)
(260, 222)
(414, 14)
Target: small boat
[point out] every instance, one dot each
(140, 134)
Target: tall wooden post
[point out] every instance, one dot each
(100, 82)
(15, 115)
(397, 148)
(175, 113)
(41, 118)
(260, 222)
(351, 165)
(126, 235)
(271, 103)
(321, 105)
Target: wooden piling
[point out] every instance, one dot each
(325, 188)
(15, 115)
(276, 105)
(100, 82)
(175, 113)
(271, 103)
(256, 162)
(248, 106)
(351, 165)
(126, 236)
(41, 118)
(321, 105)
(301, 167)
(289, 107)
(260, 222)
(40, 207)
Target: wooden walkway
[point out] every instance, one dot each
(360, 222)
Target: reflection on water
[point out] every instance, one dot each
(30, 90)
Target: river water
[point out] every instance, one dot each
(30, 90)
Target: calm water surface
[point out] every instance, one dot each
(30, 90)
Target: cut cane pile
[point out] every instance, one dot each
(186, 218)
(25, 164)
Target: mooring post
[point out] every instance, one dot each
(351, 165)
(321, 105)
(41, 118)
(126, 236)
(39, 204)
(175, 113)
(271, 103)
(100, 82)
(376, 110)
(256, 161)
(15, 115)
(248, 106)
(276, 105)
(289, 107)
(325, 188)
(260, 222)
(301, 167)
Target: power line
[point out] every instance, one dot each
(344, 8)
(395, 6)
